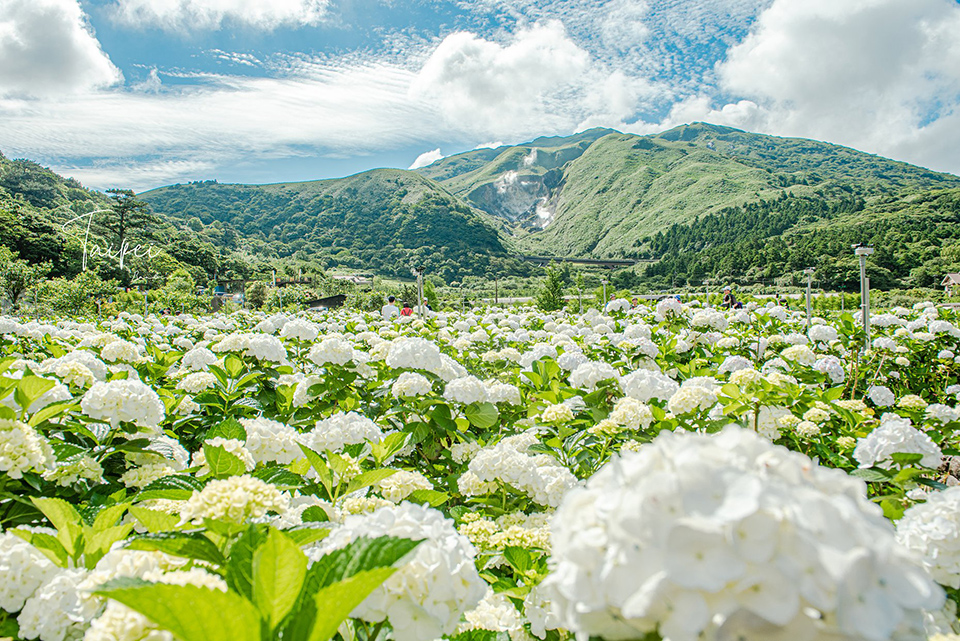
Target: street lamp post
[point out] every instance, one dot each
(604, 305)
(809, 272)
(862, 251)
(706, 289)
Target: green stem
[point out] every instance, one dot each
(376, 631)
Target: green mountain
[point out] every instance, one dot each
(698, 201)
(387, 221)
(601, 193)
(35, 203)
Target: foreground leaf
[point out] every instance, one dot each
(190, 612)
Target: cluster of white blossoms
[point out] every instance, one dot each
(343, 428)
(588, 375)
(331, 350)
(932, 530)
(632, 414)
(402, 484)
(58, 610)
(127, 401)
(411, 385)
(465, 390)
(509, 461)
(692, 398)
(271, 441)
(896, 435)
(22, 449)
(23, 568)
(435, 585)
(727, 536)
(236, 499)
(646, 385)
(197, 382)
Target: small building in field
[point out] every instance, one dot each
(950, 283)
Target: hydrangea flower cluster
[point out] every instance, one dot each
(729, 536)
(427, 596)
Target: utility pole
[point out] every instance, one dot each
(809, 272)
(862, 251)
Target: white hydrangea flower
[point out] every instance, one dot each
(264, 347)
(498, 392)
(23, 449)
(271, 441)
(415, 353)
(123, 400)
(881, 396)
(539, 476)
(58, 610)
(331, 350)
(198, 359)
(300, 329)
(402, 484)
(631, 413)
(691, 398)
(932, 530)
(411, 385)
(465, 390)
(589, 374)
(69, 471)
(646, 385)
(197, 382)
(344, 428)
(236, 499)
(895, 435)
(427, 596)
(727, 536)
(23, 568)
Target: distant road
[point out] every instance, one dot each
(612, 264)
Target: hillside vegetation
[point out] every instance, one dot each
(600, 193)
(698, 202)
(385, 221)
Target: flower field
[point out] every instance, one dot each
(663, 472)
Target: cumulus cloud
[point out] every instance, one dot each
(502, 89)
(187, 15)
(880, 75)
(426, 158)
(47, 48)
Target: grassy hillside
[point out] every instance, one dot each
(600, 193)
(386, 221)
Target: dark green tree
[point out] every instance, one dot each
(257, 293)
(550, 298)
(17, 276)
(129, 217)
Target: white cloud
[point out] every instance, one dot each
(504, 90)
(322, 109)
(426, 158)
(139, 175)
(47, 48)
(879, 75)
(189, 15)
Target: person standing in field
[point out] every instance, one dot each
(389, 310)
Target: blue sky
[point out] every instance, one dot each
(142, 93)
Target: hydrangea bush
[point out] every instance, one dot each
(663, 472)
